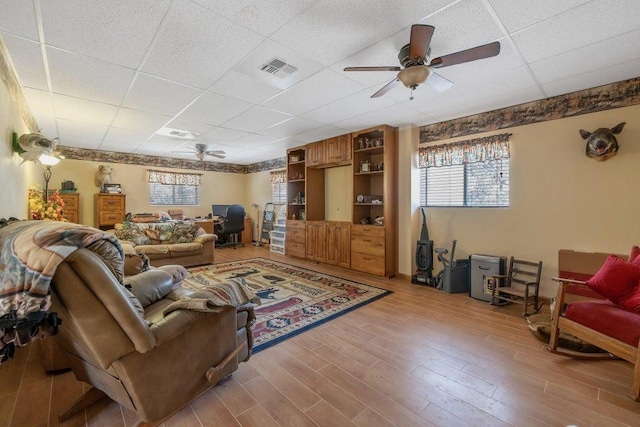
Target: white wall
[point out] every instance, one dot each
(560, 199)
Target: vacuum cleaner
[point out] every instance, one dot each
(424, 257)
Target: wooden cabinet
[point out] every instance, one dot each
(109, 209)
(245, 238)
(296, 179)
(315, 245)
(374, 246)
(338, 149)
(71, 210)
(338, 244)
(295, 239)
(316, 154)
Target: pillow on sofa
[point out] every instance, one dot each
(184, 232)
(635, 255)
(618, 280)
(131, 232)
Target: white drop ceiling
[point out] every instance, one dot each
(108, 75)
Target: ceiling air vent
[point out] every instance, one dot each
(279, 68)
(177, 133)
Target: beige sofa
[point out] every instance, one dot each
(173, 242)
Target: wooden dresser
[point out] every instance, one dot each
(71, 208)
(109, 209)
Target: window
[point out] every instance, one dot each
(172, 188)
(279, 187)
(167, 194)
(482, 184)
(473, 173)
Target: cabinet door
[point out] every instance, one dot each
(311, 240)
(316, 154)
(344, 246)
(321, 234)
(338, 149)
(333, 243)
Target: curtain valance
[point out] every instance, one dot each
(492, 147)
(278, 177)
(174, 178)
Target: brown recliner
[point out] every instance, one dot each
(149, 362)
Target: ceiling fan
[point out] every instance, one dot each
(202, 150)
(414, 57)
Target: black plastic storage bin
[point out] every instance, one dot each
(456, 279)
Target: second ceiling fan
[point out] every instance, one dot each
(414, 57)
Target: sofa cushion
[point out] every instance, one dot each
(150, 286)
(184, 232)
(185, 247)
(153, 249)
(618, 280)
(131, 232)
(619, 324)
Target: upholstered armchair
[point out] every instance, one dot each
(123, 344)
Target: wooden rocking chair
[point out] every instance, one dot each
(520, 285)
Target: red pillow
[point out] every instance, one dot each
(635, 253)
(618, 281)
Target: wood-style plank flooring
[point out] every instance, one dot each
(417, 357)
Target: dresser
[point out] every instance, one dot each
(71, 210)
(109, 209)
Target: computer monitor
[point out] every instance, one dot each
(219, 210)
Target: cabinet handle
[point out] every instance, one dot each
(367, 259)
(366, 240)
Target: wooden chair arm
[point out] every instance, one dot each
(571, 282)
(499, 276)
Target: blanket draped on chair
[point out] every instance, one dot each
(30, 252)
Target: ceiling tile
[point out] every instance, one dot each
(125, 136)
(196, 46)
(70, 129)
(353, 105)
(189, 126)
(581, 26)
(240, 86)
(595, 78)
(118, 147)
(291, 127)
(255, 119)
(80, 142)
(159, 96)
(40, 104)
(214, 109)
(27, 59)
(320, 89)
(516, 15)
(393, 115)
(159, 145)
(18, 17)
(88, 78)
(253, 141)
(316, 135)
(139, 120)
(117, 31)
(81, 110)
(258, 15)
(336, 29)
(611, 51)
(222, 135)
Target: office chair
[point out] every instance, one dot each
(231, 227)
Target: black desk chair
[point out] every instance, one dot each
(231, 227)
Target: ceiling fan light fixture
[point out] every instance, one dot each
(413, 76)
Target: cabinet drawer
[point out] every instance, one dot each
(111, 218)
(70, 201)
(111, 203)
(367, 230)
(367, 245)
(71, 215)
(296, 224)
(296, 235)
(295, 249)
(367, 263)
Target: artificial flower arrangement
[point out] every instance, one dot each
(51, 210)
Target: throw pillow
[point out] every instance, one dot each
(618, 280)
(184, 232)
(130, 232)
(635, 255)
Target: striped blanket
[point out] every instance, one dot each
(30, 252)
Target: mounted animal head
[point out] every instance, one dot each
(602, 143)
(103, 175)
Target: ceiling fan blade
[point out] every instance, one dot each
(473, 54)
(439, 83)
(390, 68)
(214, 152)
(420, 41)
(386, 88)
(219, 155)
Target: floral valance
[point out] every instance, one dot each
(278, 177)
(174, 178)
(492, 147)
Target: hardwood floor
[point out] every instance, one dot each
(417, 357)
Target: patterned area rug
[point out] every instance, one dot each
(293, 299)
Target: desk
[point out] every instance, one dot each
(247, 233)
(206, 225)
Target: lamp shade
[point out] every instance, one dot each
(48, 160)
(413, 76)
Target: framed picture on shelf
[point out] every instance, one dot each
(111, 188)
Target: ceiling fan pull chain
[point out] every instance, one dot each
(411, 97)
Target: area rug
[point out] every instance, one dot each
(293, 299)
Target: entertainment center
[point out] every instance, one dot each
(367, 242)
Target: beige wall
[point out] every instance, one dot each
(217, 188)
(258, 191)
(560, 199)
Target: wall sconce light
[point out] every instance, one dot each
(34, 146)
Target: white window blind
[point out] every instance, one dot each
(279, 192)
(168, 194)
